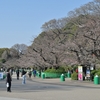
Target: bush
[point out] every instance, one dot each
(74, 76)
(98, 73)
(51, 70)
(59, 70)
(93, 72)
(75, 67)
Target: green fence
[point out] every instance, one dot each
(53, 75)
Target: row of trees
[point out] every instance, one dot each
(71, 40)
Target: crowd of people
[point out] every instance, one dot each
(19, 73)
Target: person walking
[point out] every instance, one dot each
(8, 80)
(11, 72)
(34, 73)
(17, 73)
(30, 73)
(23, 76)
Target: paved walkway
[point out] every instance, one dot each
(67, 81)
(57, 81)
(84, 91)
(7, 98)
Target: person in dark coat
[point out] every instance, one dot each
(8, 81)
(17, 73)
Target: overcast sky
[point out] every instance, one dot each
(21, 20)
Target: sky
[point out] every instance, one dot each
(21, 20)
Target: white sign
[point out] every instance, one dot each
(1, 75)
(80, 69)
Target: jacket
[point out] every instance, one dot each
(8, 79)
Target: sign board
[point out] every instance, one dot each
(80, 69)
(80, 76)
(80, 73)
(1, 75)
(87, 73)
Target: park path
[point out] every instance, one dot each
(50, 89)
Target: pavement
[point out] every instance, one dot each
(67, 81)
(90, 92)
(57, 81)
